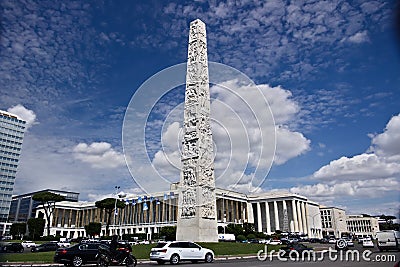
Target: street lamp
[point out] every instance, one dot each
(223, 211)
(117, 195)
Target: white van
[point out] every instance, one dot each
(388, 239)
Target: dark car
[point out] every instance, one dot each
(45, 247)
(298, 247)
(77, 255)
(14, 247)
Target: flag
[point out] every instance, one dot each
(157, 201)
(171, 195)
(145, 206)
(151, 199)
(126, 201)
(144, 198)
(165, 196)
(133, 202)
(139, 200)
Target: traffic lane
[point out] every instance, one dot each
(326, 261)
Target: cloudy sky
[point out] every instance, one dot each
(327, 72)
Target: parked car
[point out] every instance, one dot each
(349, 242)
(14, 247)
(3, 246)
(177, 251)
(332, 241)
(28, 244)
(77, 255)
(51, 246)
(295, 247)
(64, 244)
(367, 243)
(388, 239)
(275, 242)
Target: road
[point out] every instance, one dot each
(372, 257)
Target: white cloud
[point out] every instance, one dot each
(388, 142)
(51, 163)
(364, 166)
(367, 175)
(360, 188)
(289, 145)
(99, 155)
(240, 135)
(359, 37)
(27, 115)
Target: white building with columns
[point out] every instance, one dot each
(269, 212)
(286, 212)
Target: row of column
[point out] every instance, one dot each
(299, 216)
(235, 210)
(359, 226)
(131, 214)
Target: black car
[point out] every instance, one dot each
(45, 247)
(298, 247)
(14, 247)
(77, 255)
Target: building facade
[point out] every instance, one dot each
(12, 129)
(361, 226)
(148, 214)
(285, 212)
(333, 222)
(23, 207)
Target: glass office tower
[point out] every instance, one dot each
(12, 130)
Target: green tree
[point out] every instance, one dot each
(169, 232)
(18, 230)
(93, 229)
(248, 228)
(36, 227)
(48, 200)
(240, 238)
(108, 205)
(235, 229)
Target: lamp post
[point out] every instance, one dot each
(115, 207)
(223, 212)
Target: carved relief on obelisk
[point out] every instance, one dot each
(197, 205)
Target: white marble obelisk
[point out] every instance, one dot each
(197, 203)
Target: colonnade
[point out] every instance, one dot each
(289, 215)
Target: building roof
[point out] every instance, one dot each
(8, 114)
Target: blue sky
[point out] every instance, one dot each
(329, 69)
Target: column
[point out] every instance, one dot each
(170, 210)
(259, 219)
(276, 214)
(267, 218)
(303, 217)
(299, 219)
(285, 216)
(296, 224)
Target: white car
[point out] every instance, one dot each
(28, 244)
(274, 242)
(64, 244)
(177, 251)
(367, 243)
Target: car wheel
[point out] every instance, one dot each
(77, 261)
(209, 258)
(174, 259)
(160, 262)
